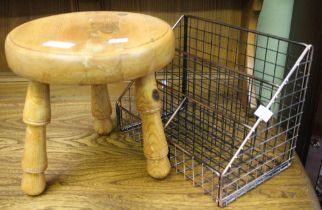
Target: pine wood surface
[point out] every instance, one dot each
(15, 12)
(92, 58)
(101, 109)
(89, 47)
(88, 171)
(154, 144)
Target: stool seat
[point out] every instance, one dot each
(89, 47)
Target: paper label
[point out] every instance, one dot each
(263, 113)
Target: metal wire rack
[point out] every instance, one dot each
(232, 105)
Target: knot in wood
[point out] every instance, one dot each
(155, 95)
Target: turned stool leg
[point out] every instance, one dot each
(36, 115)
(101, 109)
(155, 144)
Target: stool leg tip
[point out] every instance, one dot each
(33, 184)
(104, 126)
(158, 169)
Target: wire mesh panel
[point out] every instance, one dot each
(232, 105)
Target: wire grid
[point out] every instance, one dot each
(209, 93)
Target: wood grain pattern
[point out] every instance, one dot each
(89, 47)
(154, 142)
(13, 13)
(36, 115)
(34, 161)
(101, 109)
(88, 171)
(90, 59)
(169, 10)
(247, 47)
(37, 106)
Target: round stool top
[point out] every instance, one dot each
(89, 47)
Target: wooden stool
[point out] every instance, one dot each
(90, 48)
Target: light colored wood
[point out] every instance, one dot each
(37, 107)
(36, 116)
(34, 161)
(92, 48)
(88, 171)
(251, 10)
(155, 144)
(101, 109)
(98, 47)
(14, 13)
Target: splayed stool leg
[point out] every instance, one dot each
(101, 109)
(36, 115)
(155, 144)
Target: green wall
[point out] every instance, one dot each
(275, 18)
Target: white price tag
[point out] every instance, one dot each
(263, 113)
